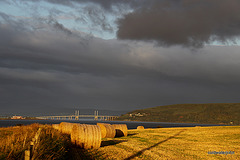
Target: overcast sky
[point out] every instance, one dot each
(118, 54)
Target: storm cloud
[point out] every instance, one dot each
(184, 22)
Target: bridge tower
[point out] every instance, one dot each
(77, 115)
(95, 115)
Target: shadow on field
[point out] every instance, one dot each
(76, 153)
(111, 142)
(141, 152)
(132, 134)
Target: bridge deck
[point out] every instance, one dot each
(77, 117)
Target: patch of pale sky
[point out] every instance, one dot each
(12, 10)
(66, 15)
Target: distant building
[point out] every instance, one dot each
(138, 115)
(17, 117)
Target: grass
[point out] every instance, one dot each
(15, 140)
(162, 143)
(52, 145)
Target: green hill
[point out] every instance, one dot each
(219, 113)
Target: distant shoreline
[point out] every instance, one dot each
(26, 118)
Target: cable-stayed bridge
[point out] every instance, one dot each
(77, 116)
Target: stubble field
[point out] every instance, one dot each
(175, 143)
(162, 143)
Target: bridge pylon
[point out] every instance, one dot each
(95, 115)
(77, 115)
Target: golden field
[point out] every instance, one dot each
(174, 143)
(162, 143)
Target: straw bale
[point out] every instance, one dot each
(121, 130)
(66, 127)
(86, 136)
(56, 126)
(140, 127)
(107, 130)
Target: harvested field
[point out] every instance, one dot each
(174, 143)
(162, 143)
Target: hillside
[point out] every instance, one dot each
(221, 113)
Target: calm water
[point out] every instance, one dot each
(130, 124)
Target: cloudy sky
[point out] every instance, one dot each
(118, 54)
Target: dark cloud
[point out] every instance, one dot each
(184, 22)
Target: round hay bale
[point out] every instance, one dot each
(121, 130)
(56, 126)
(74, 134)
(86, 136)
(107, 130)
(66, 127)
(140, 127)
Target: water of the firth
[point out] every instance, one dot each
(130, 124)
